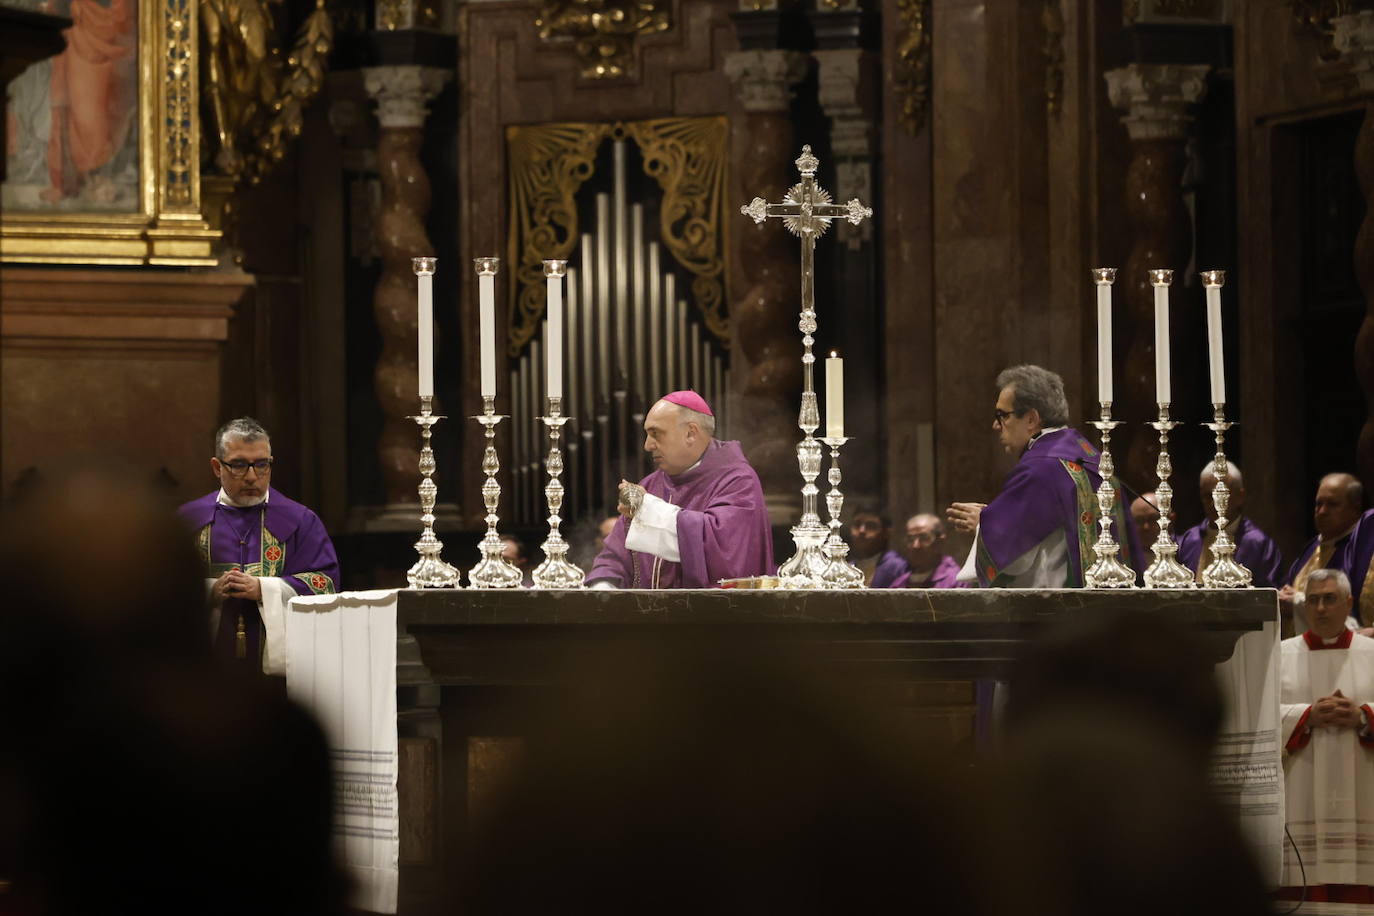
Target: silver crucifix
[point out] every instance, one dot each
(807, 211)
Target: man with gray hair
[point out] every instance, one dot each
(698, 518)
(1255, 550)
(1327, 685)
(260, 548)
(1039, 530)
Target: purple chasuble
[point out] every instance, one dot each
(891, 567)
(722, 528)
(1255, 550)
(279, 538)
(1340, 557)
(945, 575)
(1053, 487)
(1356, 556)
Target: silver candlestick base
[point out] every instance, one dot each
(494, 570)
(808, 564)
(1166, 571)
(1108, 571)
(556, 571)
(1225, 571)
(430, 571)
(838, 572)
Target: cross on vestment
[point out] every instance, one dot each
(807, 211)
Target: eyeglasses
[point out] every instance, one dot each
(240, 467)
(921, 539)
(1324, 598)
(1000, 416)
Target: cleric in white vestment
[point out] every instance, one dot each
(1327, 689)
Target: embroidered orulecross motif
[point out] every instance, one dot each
(203, 545)
(1088, 514)
(273, 554)
(317, 582)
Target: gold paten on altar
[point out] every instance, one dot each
(603, 32)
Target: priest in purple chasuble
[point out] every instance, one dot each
(1255, 550)
(697, 519)
(1326, 688)
(1040, 529)
(1335, 514)
(260, 548)
(928, 566)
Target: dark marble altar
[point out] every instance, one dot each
(475, 668)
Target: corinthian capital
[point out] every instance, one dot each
(1156, 98)
(403, 92)
(764, 79)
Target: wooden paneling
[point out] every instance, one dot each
(104, 365)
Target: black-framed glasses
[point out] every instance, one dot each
(1000, 416)
(240, 467)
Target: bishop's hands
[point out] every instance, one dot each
(631, 498)
(1336, 711)
(964, 516)
(237, 584)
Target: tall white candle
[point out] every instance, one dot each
(1213, 280)
(424, 278)
(486, 299)
(1104, 277)
(553, 272)
(834, 397)
(1161, 280)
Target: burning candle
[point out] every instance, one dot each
(1161, 280)
(486, 298)
(553, 272)
(834, 397)
(1213, 280)
(424, 278)
(1104, 277)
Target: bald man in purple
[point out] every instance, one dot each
(697, 519)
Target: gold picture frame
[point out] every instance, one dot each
(162, 223)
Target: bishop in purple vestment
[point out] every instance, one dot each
(1040, 529)
(928, 566)
(1255, 550)
(697, 519)
(260, 547)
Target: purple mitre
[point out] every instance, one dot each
(722, 529)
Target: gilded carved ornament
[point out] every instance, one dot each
(602, 32)
(550, 162)
(255, 98)
(911, 72)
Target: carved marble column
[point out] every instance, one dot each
(765, 291)
(1354, 39)
(402, 94)
(1156, 99)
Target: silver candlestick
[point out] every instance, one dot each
(838, 572)
(1108, 571)
(807, 211)
(556, 571)
(1225, 571)
(494, 570)
(430, 571)
(1166, 571)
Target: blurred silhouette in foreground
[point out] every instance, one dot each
(144, 777)
(1110, 728)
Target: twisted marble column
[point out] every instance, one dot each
(402, 94)
(1156, 98)
(765, 298)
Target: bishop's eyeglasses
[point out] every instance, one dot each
(240, 467)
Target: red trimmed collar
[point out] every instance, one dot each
(1314, 642)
